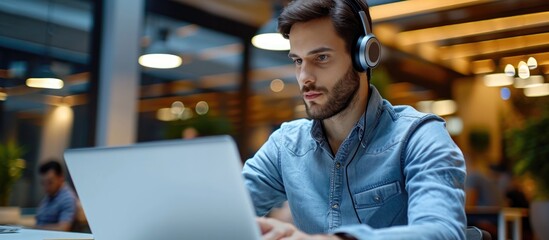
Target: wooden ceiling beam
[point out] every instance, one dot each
(516, 52)
(484, 11)
(191, 14)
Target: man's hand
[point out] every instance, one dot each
(61, 226)
(272, 229)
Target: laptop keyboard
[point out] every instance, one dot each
(9, 229)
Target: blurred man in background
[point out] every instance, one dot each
(58, 208)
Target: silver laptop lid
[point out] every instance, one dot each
(179, 189)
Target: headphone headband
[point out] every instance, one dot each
(367, 49)
(361, 15)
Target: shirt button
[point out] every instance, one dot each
(338, 165)
(377, 198)
(335, 206)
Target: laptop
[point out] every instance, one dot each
(178, 189)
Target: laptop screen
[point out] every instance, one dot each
(179, 189)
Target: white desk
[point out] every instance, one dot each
(31, 234)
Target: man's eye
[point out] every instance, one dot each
(322, 58)
(298, 61)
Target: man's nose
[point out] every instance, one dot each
(305, 74)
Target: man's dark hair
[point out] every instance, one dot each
(345, 19)
(51, 165)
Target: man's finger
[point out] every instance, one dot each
(274, 229)
(264, 225)
(275, 234)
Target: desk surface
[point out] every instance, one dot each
(31, 234)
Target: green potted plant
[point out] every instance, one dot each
(11, 169)
(529, 148)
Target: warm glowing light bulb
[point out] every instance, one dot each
(510, 70)
(202, 108)
(523, 70)
(277, 85)
(177, 108)
(532, 63)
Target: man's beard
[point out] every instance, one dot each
(339, 98)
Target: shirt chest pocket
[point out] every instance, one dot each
(377, 196)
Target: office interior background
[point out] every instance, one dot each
(483, 65)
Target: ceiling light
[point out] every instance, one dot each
(177, 108)
(509, 70)
(202, 108)
(523, 70)
(532, 63)
(158, 55)
(497, 80)
(271, 41)
(529, 82)
(160, 60)
(43, 77)
(165, 114)
(444, 107)
(425, 106)
(537, 91)
(441, 108)
(268, 37)
(454, 125)
(542, 58)
(50, 83)
(277, 85)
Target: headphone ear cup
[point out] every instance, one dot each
(367, 53)
(373, 51)
(359, 62)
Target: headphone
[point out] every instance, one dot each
(366, 55)
(367, 50)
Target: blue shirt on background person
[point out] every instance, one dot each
(58, 208)
(406, 171)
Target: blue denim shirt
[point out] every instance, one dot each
(407, 174)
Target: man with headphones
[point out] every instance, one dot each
(360, 168)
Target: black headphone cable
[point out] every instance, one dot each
(353, 158)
